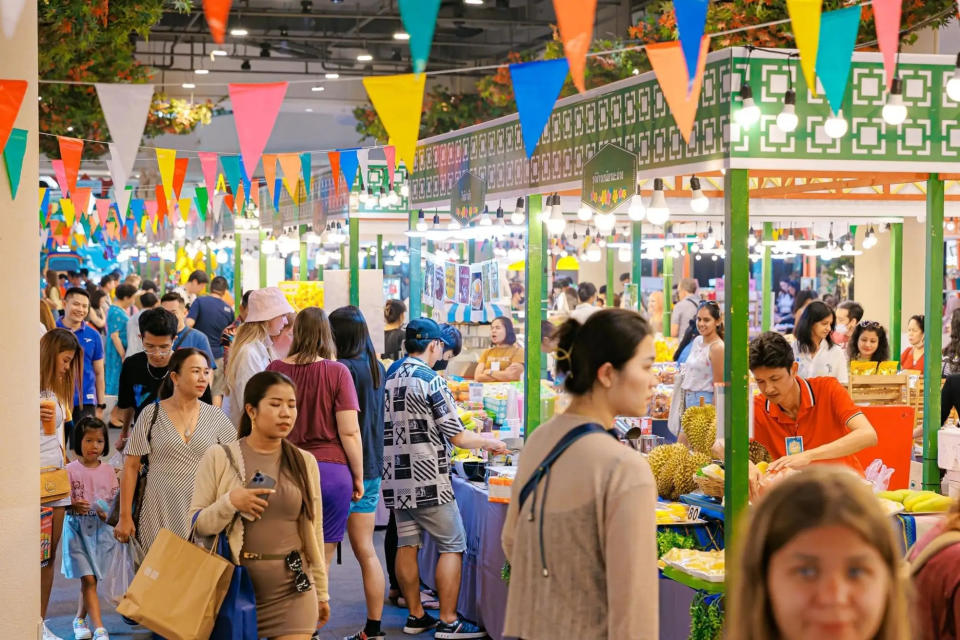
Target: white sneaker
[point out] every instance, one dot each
(49, 635)
(80, 629)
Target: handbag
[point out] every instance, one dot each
(54, 482)
(113, 518)
(178, 589)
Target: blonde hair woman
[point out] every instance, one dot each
(252, 348)
(819, 560)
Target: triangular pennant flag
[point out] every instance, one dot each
(255, 109)
(805, 20)
(221, 185)
(13, 158)
(306, 168)
(270, 172)
(103, 210)
(277, 186)
(217, 206)
(202, 200)
(81, 200)
(536, 86)
(10, 11)
(398, 101)
(334, 158)
(255, 192)
(118, 173)
(668, 64)
(44, 198)
(125, 108)
(419, 19)
(230, 201)
(887, 17)
(244, 177)
(835, 54)
(11, 96)
(363, 158)
(575, 21)
(183, 204)
(217, 12)
(167, 161)
(240, 198)
(691, 19)
(69, 212)
(179, 173)
(153, 208)
(71, 150)
(122, 196)
(348, 166)
(390, 155)
(162, 207)
(61, 174)
(231, 169)
(208, 165)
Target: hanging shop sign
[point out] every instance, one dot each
(467, 198)
(609, 179)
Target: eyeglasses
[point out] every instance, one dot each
(300, 579)
(709, 303)
(870, 324)
(157, 351)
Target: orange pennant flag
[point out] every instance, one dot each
(575, 21)
(81, 200)
(290, 164)
(670, 67)
(162, 209)
(270, 172)
(11, 97)
(71, 149)
(179, 173)
(217, 12)
(229, 201)
(334, 157)
(255, 192)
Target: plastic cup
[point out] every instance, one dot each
(50, 425)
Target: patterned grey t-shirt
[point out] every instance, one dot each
(420, 418)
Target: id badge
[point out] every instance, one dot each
(495, 365)
(794, 445)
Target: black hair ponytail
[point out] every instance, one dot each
(610, 335)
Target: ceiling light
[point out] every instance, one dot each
(584, 213)
(401, 35)
(556, 222)
(518, 216)
(605, 222)
(501, 222)
(309, 110)
(953, 84)
(364, 57)
(317, 88)
(894, 111)
(473, 2)
(218, 52)
(636, 212)
(835, 126)
(265, 50)
(421, 221)
(870, 240)
(749, 112)
(393, 199)
(658, 212)
(239, 32)
(698, 201)
(710, 241)
(593, 253)
(787, 119)
(331, 76)
(201, 72)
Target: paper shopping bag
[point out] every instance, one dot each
(178, 589)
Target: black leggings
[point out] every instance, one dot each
(390, 551)
(949, 397)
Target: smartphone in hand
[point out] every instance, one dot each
(260, 481)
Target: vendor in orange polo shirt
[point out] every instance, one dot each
(803, 420)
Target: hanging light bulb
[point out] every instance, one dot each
(894, 111)
(557, 207)
(584, 213)
(485, 220)
(268, 246)
(752, 239)
(518, 216)
(953, 84)
(341, 235)
(393, 199)
(383, 200)
(421, 221)
(636, 212)
(847, 245)
(593, 253)
(870, 240)
(501, 222)
(710, 241)
(658, 212)
(787, 119)
(405, 190)
(698, 201)
(835, 126)
(749, 112)
(556, 222)
(605, 222)
(950, 226)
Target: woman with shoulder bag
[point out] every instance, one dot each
(275, 487)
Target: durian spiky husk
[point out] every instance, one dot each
(673, 467)
(758, 453)
(685, 470)
(699, 423)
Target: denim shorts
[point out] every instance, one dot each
(371, 497)
(443, 523)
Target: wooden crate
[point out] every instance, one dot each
(880, 390)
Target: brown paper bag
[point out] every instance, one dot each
(178, 589)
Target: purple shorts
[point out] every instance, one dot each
(336, 489)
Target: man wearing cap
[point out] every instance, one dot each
(420, 421)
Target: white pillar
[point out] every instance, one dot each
(19, 375)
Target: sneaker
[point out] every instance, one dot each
(458, 629)
(80, 629)
(360, 635)
(49, 635)
(101, 634)
(414, 626)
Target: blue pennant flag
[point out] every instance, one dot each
(277, 188)
(306, 160)
(838, 35)
(349, 163)
(244, 177)
(691, 20)
(536, 86)
(419, 19)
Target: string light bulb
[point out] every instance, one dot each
(421, 221)
(870, 240)
(953, 84)
(698, 201)
(501, 222)
(636, 212)
(787, 119)
(658, 213)
(584, 213)
(894, 111)
(836, 126)
(556, 222)
(485, 220)
(749, 112)
(518, 216)
(605, 222)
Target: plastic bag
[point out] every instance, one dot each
(119, 572)
(116, 460)
(878, 474)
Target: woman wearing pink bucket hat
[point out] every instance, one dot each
(252, 348)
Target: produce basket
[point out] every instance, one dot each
(709, 486)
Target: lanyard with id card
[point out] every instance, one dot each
(794, 445)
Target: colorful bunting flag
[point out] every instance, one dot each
(306, 167)
(81, 200)
(231, 169)
(290, 165)
(103, 210)
(887, 17)
(669, 65)
(419, 18)
(398, 101)
(277, 190)
(255, 109)
(202, 199)
(575, 21)
(255, 192)
(13, 158)
(390, 155)
(805, 20)
(162, 207)
(68, 210)
(334, 158)
(217, 206)
(270, 174)
(221, 185)
(183, 204)
(71, 150)
(363, 157)
(217, 12)
(536, 87)
(122, 197)
(208, 166)
(44, 198)
(61, 175)
(125, 108)
(167, 162)
(179, 173)
(838, 31)
(348, 166)
(691, 19)
(10, 11)
(11, 97)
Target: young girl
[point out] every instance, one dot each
(88, 541)
(869, 343)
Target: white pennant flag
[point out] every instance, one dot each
(44, 236)
(120, 193)
(217, 206)
(10, 11)
(363, 156)
(125, 108)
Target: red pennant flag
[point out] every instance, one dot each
(61, 174)
(887, 17)
(229, 201)
(179, 173)
(71, 149)
(208, 164)
(162, 210)
(270, 172)
(11, 97)
(334, 157)
(390, 153)
(103, 210)
(670, 67)
(255, 109)
(217, 12)
(81, 200)
(575, 21)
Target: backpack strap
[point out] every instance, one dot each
(935, 546)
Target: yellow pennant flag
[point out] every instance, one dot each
(184, 204)
(398, 100)
(222, 184)
(43, 192)
(69, 212)
(153, 224)
(805, 20)
(167, 161)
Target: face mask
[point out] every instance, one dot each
(440, 365)
(842, 329)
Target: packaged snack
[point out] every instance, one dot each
(888, 368)
(660, 405)
(860, 368)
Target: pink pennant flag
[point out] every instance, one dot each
(255, 109)
(60, 171)
(887, 18)
(152, 209)
(103, 210)
(390, 153)
(208, 164)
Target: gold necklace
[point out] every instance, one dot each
(188, 430)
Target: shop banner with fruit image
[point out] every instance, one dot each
(609, 179)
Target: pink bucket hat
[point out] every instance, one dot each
(267, 304)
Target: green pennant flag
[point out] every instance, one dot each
(13, 158)
(200, 196)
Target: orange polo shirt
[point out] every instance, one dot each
(825, 410)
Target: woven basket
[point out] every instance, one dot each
(709, 486)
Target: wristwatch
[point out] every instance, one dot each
(101, 406)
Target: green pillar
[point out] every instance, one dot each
(380, 251)
(611, 262)
(544, 284)
(636, 254)
(416, 274)
(896, 284)
(237, 270)
(534, 275)
(667, 283)
(355, 260)
(736, 275)
(304, 258)
(262, 258)
(932, 339)
(462, 248)
(766, 314)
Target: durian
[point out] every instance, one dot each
(699, 423)
(687, 467)
(758, 453)
(673, 467)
